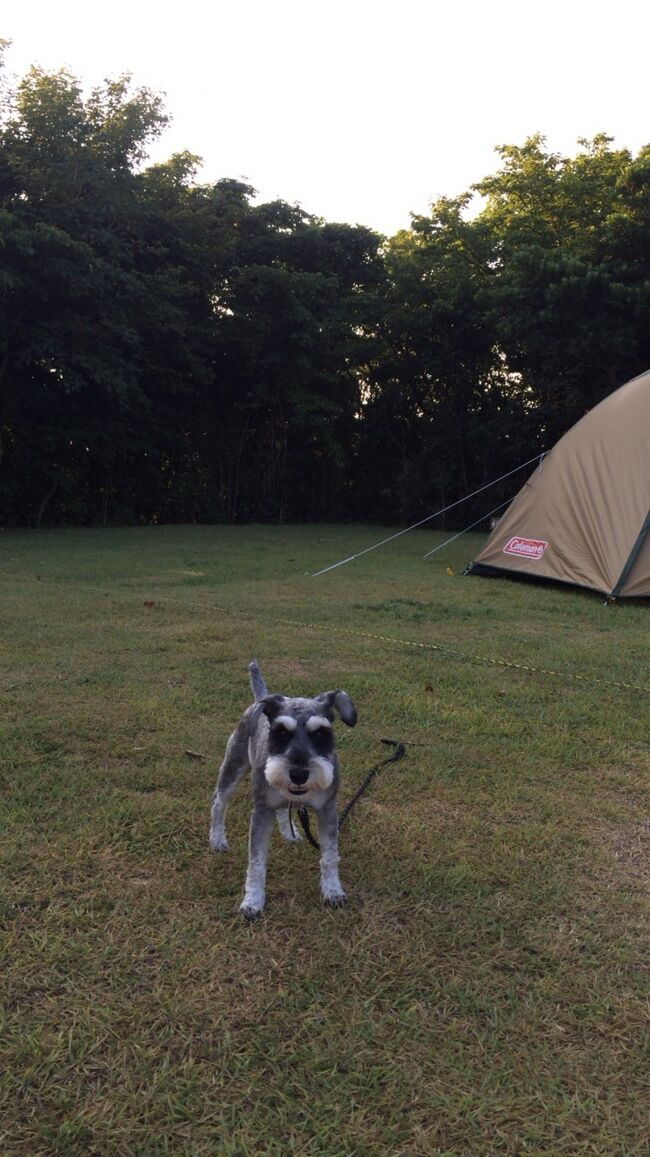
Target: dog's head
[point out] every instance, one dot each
(300, 743)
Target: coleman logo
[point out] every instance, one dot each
(532, 548)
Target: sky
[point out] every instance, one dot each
(357, 110)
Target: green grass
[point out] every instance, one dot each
(486, 989)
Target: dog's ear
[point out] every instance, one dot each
(343, 704)
(268, 705)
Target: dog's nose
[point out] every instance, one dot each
(299, 775)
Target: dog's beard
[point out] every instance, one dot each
(321, 774)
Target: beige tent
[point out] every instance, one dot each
(584, 515)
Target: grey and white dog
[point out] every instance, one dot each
(288, 744)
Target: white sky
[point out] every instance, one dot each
(358, 110)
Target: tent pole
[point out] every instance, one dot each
(634, 554)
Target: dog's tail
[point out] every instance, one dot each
(257, 681)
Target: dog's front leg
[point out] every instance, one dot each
(232, 771)
(258, 847)
(328, 834)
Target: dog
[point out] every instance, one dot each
(289, 746)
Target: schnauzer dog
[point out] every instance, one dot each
(288, 744)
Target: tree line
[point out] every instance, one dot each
(172, 350)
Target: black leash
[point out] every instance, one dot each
(303, 814)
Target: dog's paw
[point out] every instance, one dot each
(335, 899)
(218, 842)
(250, 913)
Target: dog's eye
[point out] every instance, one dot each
(281, 731)
(322, 733)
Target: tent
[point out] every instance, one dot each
(584, 515)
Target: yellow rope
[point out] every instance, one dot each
(465, 655)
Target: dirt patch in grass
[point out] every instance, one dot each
(629, 846)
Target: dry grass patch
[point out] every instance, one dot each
(630, 846)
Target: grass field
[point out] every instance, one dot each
(486, 990)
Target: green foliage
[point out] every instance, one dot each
(174, 351)
(158, 334)
(570, 294)
(443, 404)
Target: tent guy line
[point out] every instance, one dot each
(471, 527)
(392, 537)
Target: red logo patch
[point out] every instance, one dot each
(532, 548)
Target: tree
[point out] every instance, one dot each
(293, 340)
(173, 350)
(72, 407)
(159, 333)
(571, 287)
(439, 385)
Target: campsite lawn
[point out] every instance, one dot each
(487, 988)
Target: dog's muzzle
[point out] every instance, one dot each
(298, 777)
